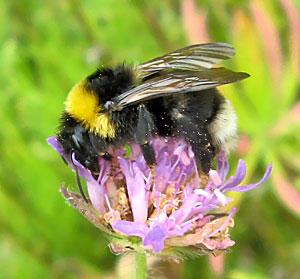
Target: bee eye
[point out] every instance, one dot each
(109, 105)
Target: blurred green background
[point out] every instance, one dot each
(47, 46)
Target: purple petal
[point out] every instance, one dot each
(136, 187)
(155, 238)
(173, 230)
(131, 228)
(96, 195)
(235, 180)
(162, 174)
(184, 229)
(215, 178)
(104, 167)
(182, 152)
(184, 211)
(82, 171)
(245, 188)
(221, 197)
(179, 149)
(223, 165)
(96, 191)
(56, 145)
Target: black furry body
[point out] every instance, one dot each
(185, 116)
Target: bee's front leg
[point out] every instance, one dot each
(196, 134)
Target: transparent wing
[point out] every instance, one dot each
(172, 83)
(193, 58)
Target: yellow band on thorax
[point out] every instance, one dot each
(83, 105)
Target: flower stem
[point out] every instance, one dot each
(140, 265)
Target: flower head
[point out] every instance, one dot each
(173, 210)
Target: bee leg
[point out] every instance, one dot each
(144, 130)
(149, 156)
(145, 125)
(203, 156)
(198, 137)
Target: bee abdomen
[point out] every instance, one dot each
(223, 127)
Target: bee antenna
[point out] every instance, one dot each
(79, 182)
(80, 186)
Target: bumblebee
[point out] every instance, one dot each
(173, 95)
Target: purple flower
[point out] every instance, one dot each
(180, 208)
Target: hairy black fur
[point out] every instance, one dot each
(108, 83)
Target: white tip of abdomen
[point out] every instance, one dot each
(223, 128)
